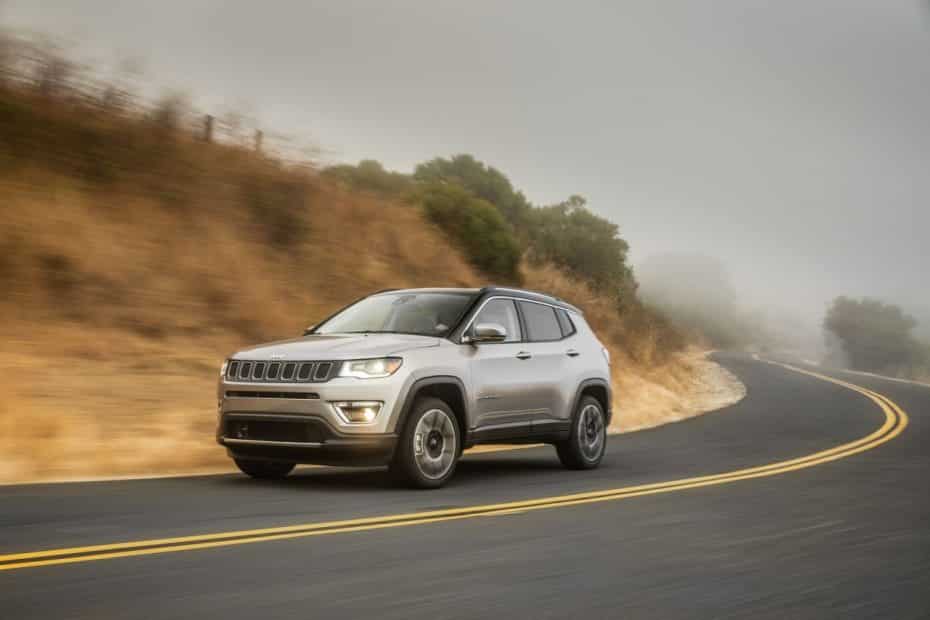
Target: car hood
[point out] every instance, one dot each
(336, 347)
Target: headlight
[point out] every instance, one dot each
(223, 368)
(370, 369)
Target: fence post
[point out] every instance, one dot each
(258, 140)
(208, 128)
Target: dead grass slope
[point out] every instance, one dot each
(134, 258)
(116, 319)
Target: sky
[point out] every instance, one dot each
(790, 140)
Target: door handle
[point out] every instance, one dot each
(524, 355)
(572, 353)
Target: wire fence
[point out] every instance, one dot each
(49, 69)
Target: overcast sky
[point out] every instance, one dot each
(789, 139)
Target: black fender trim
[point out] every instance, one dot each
(423, 382)
(598, 382)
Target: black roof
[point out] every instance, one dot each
(489, 290)
(531, 295)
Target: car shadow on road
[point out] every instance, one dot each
(475, 470)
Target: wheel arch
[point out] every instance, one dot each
(599, 389)
(447, 388)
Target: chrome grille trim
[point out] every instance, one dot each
(274, 370)
(304, 371)
(289, 371)
(322, 370)
(263, 371)
(245, 371)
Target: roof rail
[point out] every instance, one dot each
(523, 290)
(526, 291)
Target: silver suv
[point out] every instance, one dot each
(410, 378)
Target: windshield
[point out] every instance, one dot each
(424, 314)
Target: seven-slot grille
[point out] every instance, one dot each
(275, 372)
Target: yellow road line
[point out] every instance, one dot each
(895, 422)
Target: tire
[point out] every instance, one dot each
(264, 470)
(587, 440)
(429, 447)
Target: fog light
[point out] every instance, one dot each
(358, 412)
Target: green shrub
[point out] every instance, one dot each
(571, 236)
(482, 180)
(476, 226)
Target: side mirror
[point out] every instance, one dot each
(487, 332)
(309, 330)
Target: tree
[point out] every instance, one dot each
(571, 236)
(875, 336)
(567, 234)
(482, 180)
(476, 226)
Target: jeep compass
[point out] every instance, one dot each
(411, 378)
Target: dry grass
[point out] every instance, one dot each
(117, 321)
(133, 260)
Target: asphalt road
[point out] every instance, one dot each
(844, 533)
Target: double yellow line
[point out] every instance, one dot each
(895, 422)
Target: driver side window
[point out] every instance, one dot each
(504, 313)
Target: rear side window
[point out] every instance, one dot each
(565, 322)
(541, 322)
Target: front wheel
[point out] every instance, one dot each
(587, 440)
(429, 445)
(265, 470)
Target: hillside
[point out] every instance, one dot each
(136, 256)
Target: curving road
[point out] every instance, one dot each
(808, 499)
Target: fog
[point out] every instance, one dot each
(789, 141)
(697, 292)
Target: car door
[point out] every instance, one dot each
(552, 364)
(501, 371)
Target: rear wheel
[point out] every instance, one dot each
(265, 470)
(587, 440)
(429, 446)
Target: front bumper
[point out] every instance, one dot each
(299, 423)
(300, 439)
